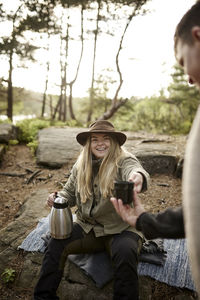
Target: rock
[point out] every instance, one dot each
(158, 163)
(57, 146)
(6, 257)
(157, 157)
(12, 235)
(30, 271)
(7, 132)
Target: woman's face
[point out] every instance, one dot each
(100, 144)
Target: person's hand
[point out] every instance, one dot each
(126, 212)
(51, 199)
(137, 178)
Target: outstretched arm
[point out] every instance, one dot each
(166, 224)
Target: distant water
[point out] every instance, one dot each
(18, 118)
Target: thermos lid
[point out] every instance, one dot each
(60, 203)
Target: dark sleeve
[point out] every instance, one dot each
(167, 224)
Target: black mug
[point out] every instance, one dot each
(124, 190)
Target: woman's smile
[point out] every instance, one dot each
(100, 144)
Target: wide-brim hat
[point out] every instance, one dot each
(101, 126)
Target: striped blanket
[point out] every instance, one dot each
(175, 272)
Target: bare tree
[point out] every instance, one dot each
(78, 66)
(12, 46)
(96, 32)
(46, 83)
(116, 102)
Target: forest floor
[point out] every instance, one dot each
(164, 191)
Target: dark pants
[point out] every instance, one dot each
(123, 249)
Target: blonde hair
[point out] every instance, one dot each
(107, 170)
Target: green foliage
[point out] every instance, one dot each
(8, 275)
(33, 146)
(184, 96)
(172, 114)
(152, 114)
(28, 129)
(7, 121)
(123, 119)
(13, 142)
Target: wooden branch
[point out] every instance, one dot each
(42, 178)
(4, 80)
(13, 174)
(163, 184)
(32, 176)
(26, 169)
(114, 107)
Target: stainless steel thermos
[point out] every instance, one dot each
(60, 221)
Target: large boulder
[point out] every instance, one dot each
(157, 158)
(57, 146)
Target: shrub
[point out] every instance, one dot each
(28, 129)
(8, 275)
(33, 146)
(13, 142)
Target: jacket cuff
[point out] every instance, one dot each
(138, 225)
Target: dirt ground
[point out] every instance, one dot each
(164, 191)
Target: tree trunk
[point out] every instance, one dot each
(57, 107)
(64, 82)
(93, 66)
(10, 89)
(72, 115)
(71, 111)
(59, 104)
(46, 84)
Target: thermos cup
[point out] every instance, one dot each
(124, 190)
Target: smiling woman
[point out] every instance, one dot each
(98, 227)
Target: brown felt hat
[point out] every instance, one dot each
(101, 126)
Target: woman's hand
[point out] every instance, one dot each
(51, 199)
(137, 178)
(126, 212)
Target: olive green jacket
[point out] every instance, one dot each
(98, 213)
